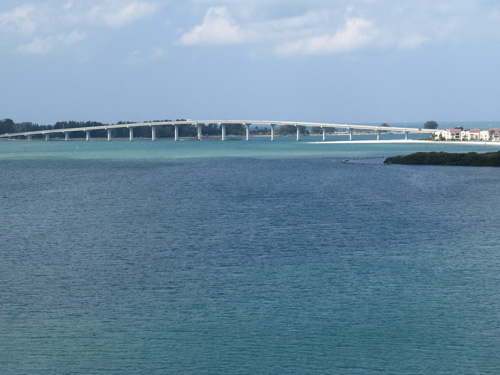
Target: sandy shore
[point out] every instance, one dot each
(456, 143)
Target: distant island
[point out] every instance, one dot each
(489, 159)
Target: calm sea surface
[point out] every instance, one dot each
(245, 258)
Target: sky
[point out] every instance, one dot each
(336, 61)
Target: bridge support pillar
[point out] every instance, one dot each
(87, 135)
(324, 133)
(46, 137)
(223, 132)
(350, 134)
(109, 134)
(378, 135)
(131, 134)
(272, 131)
(176, 132)
(29, 138)
(298, 133)
(248, 132)
(199, 132)
(66, 136)
(406, 136)
(153, 133)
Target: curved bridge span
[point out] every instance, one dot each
(222, 123)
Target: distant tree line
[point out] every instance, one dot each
(319, 130)
(260, 131)
(9, 126)
(162, 131)
(165, 131)
(286, 130)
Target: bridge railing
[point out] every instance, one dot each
(222, 123)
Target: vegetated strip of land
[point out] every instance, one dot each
(489, 159)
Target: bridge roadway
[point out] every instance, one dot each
(350, 129)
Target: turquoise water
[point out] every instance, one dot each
(245, 257)
(284, 147)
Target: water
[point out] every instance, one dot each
(245, 257)
(283, 147)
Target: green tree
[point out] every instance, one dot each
(188, 131)
(6, 126)
(290, 130)
(431, 125)
(235, 129)
(210, 129)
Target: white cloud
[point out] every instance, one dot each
(217, 28)
(20, 20)
(117, 14)
(53, 24)
(282, 27)
(291, 27)
(294, 27)
(39, 46)
(357, 33)
(315, 32)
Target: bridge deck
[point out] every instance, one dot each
(222, 122)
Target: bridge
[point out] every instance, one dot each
(222, 123)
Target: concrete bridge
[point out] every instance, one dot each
(222, 123)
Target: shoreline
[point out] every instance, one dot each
(471, 143)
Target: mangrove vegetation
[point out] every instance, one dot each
(489, 159)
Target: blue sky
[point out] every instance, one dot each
(315, 60)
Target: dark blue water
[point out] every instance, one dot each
(296, 265)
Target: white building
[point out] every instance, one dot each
(494, 135)
(471, 135)
(468, 135)
(449, 134)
